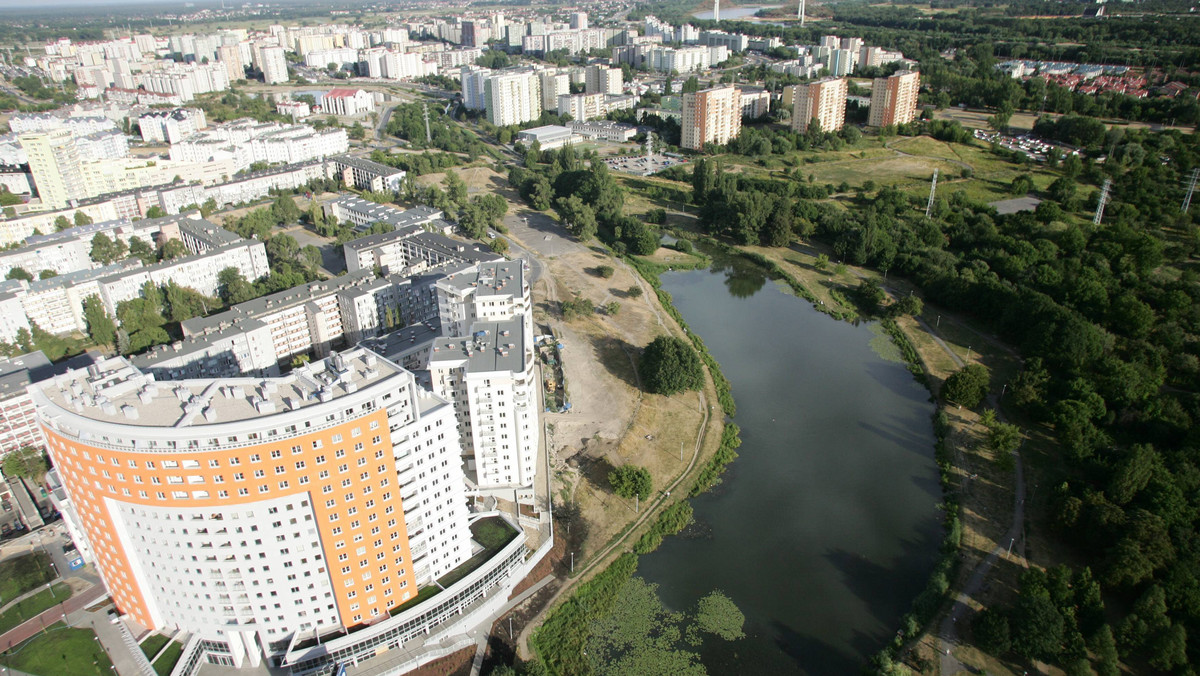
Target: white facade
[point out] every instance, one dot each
(273, 65)
(513, 97)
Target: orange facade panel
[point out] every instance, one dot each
(347, 471)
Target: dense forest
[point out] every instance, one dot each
(1107, 319)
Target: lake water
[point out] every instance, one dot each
(826, 527)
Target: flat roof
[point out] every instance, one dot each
(366, 165)
(115, 391)
(277, 301)
(492, 346)
(489, 279)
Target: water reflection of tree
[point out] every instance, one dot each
(742, 279)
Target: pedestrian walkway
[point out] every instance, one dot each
(58, 613)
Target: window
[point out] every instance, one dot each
(276, 454)
(254, 457)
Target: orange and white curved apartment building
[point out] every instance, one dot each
(247, 510)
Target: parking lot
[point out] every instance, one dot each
(643, 166)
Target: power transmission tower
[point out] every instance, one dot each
(1102, 202)
(428, 136)
(1187, 201)
(932, 192)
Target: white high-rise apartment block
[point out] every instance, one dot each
(579, 20)
(582, 107)
(484, 365)
(56, 167)
(473, 79)
(213, 488)
(274, 65)
(603, 80)
(513, 97)
(554, 84)
(171, 126)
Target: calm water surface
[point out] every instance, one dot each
(826, 527)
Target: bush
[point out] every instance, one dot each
(580, 307)
(673, 519)
(670, 365)
(630, 480)
(605, 271)
(634, 291)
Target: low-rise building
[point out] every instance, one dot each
(547, 137)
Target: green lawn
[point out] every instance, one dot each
(152, 645)
(34, 605)
(493, 533)
(23, 574)
(166, 663)
(60, 651)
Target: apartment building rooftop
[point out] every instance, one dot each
(498, 278)
(207, 232)
(365, 164)
(114, 391)
(83, 276)
(492, 346)
(275, 302)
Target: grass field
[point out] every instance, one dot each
(906, 163)
(23, 574)
(152, 645)
(34, 605)
(60, 651)
(164, 665)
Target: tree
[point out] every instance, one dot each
(311, 257)
(630, 480)
(233, 287)
(282, 249)
(605, 271)
(61, 223)
(155, 212)
(967, 386)
(99, 325)
(909, 305)
(1037, 626)
(577, 217)
(284, 210)
(19, 273)
(173, 249)
(991, 631)
(26, 462)
(670, 365)
(716, 614)
(141, 250)
(82, 218)
(105, 251)
(356, 131)
(634, 291)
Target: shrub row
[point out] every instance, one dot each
(907, 351)
(672, 520)
(710, 474)
(561, 641)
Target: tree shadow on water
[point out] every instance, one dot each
(812, 656)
